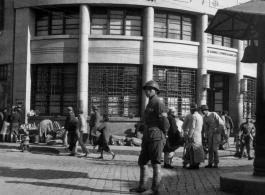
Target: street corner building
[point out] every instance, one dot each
(60, 53)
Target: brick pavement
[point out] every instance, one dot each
(27, 173)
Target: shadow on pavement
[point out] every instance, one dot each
(69, 186)
(41, 174)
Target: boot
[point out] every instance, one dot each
(143, 180)
(156, 180)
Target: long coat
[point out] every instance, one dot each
(104, 129)
(173, 135)
(196, 137)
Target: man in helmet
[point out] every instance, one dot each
(213, 126)
(156, 127)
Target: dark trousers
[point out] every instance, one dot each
(72, 138)
(151, 151)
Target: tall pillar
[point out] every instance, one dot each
(148, 51)
(24, 29)
(84, 31)
(239, 75)
(202, 23)
(259, 161)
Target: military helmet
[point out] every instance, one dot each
(152, 84)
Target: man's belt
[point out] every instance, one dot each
(152, 128)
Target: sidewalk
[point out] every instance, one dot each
(121, 150)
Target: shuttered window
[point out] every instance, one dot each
(57, 21)
(174, 26)
(54, 88)
(116, 21)
(115, 89)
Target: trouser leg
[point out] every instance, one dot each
(168, 156)
(143, 176)
(210, 150)
(248, 145)
(156, 177)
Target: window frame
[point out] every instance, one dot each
(125, 14)
(50, 13)
(182, 16)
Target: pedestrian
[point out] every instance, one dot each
(45, 128)
(70, 126)
(1, 120)
(156, 127)
(15, 121)
(186, 128)
(229, 125)
(173, 141)
(246, 137)
(79, 131)
(213, 126)
(103, 139)
(195, 153)
(94, 123)
(25, 142)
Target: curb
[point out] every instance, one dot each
(121, 150)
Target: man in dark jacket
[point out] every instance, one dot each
(70, 127)
(229, 125)
(173, 139)
(94, 123)
(156, 127)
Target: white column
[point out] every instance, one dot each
(202, 23)
(84, 31)
(24, 29)
(239, 75)
(148, 50)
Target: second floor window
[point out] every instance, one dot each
(219, 40)
(57, 22)
(174, 26)
(112, 21)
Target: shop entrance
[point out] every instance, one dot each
(218, 94)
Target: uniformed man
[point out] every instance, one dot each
(156, 127)
(213, 126)
(246, 138)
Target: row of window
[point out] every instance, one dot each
(119, 21)
(115, 89)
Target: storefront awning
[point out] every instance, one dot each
(239, 22)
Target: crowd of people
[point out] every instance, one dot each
(164, 132)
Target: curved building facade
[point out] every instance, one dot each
(81, 53)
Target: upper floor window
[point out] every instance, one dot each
(219, 40)
(57, 21)
(116, 21)
(174, 26)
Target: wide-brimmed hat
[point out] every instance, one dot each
(204, 107)
(194, 106)
(70, 108)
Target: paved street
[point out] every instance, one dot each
(27, 173)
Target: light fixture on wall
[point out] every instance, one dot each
(243, 89)
(243, 85)
(250, 53)
(206, 81)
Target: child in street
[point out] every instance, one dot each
(25, 142)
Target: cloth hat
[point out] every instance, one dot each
(204, 107)
(172, 108)
(194, 106)
(70, 108)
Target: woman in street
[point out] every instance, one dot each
(79, 131)
(103, 139)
